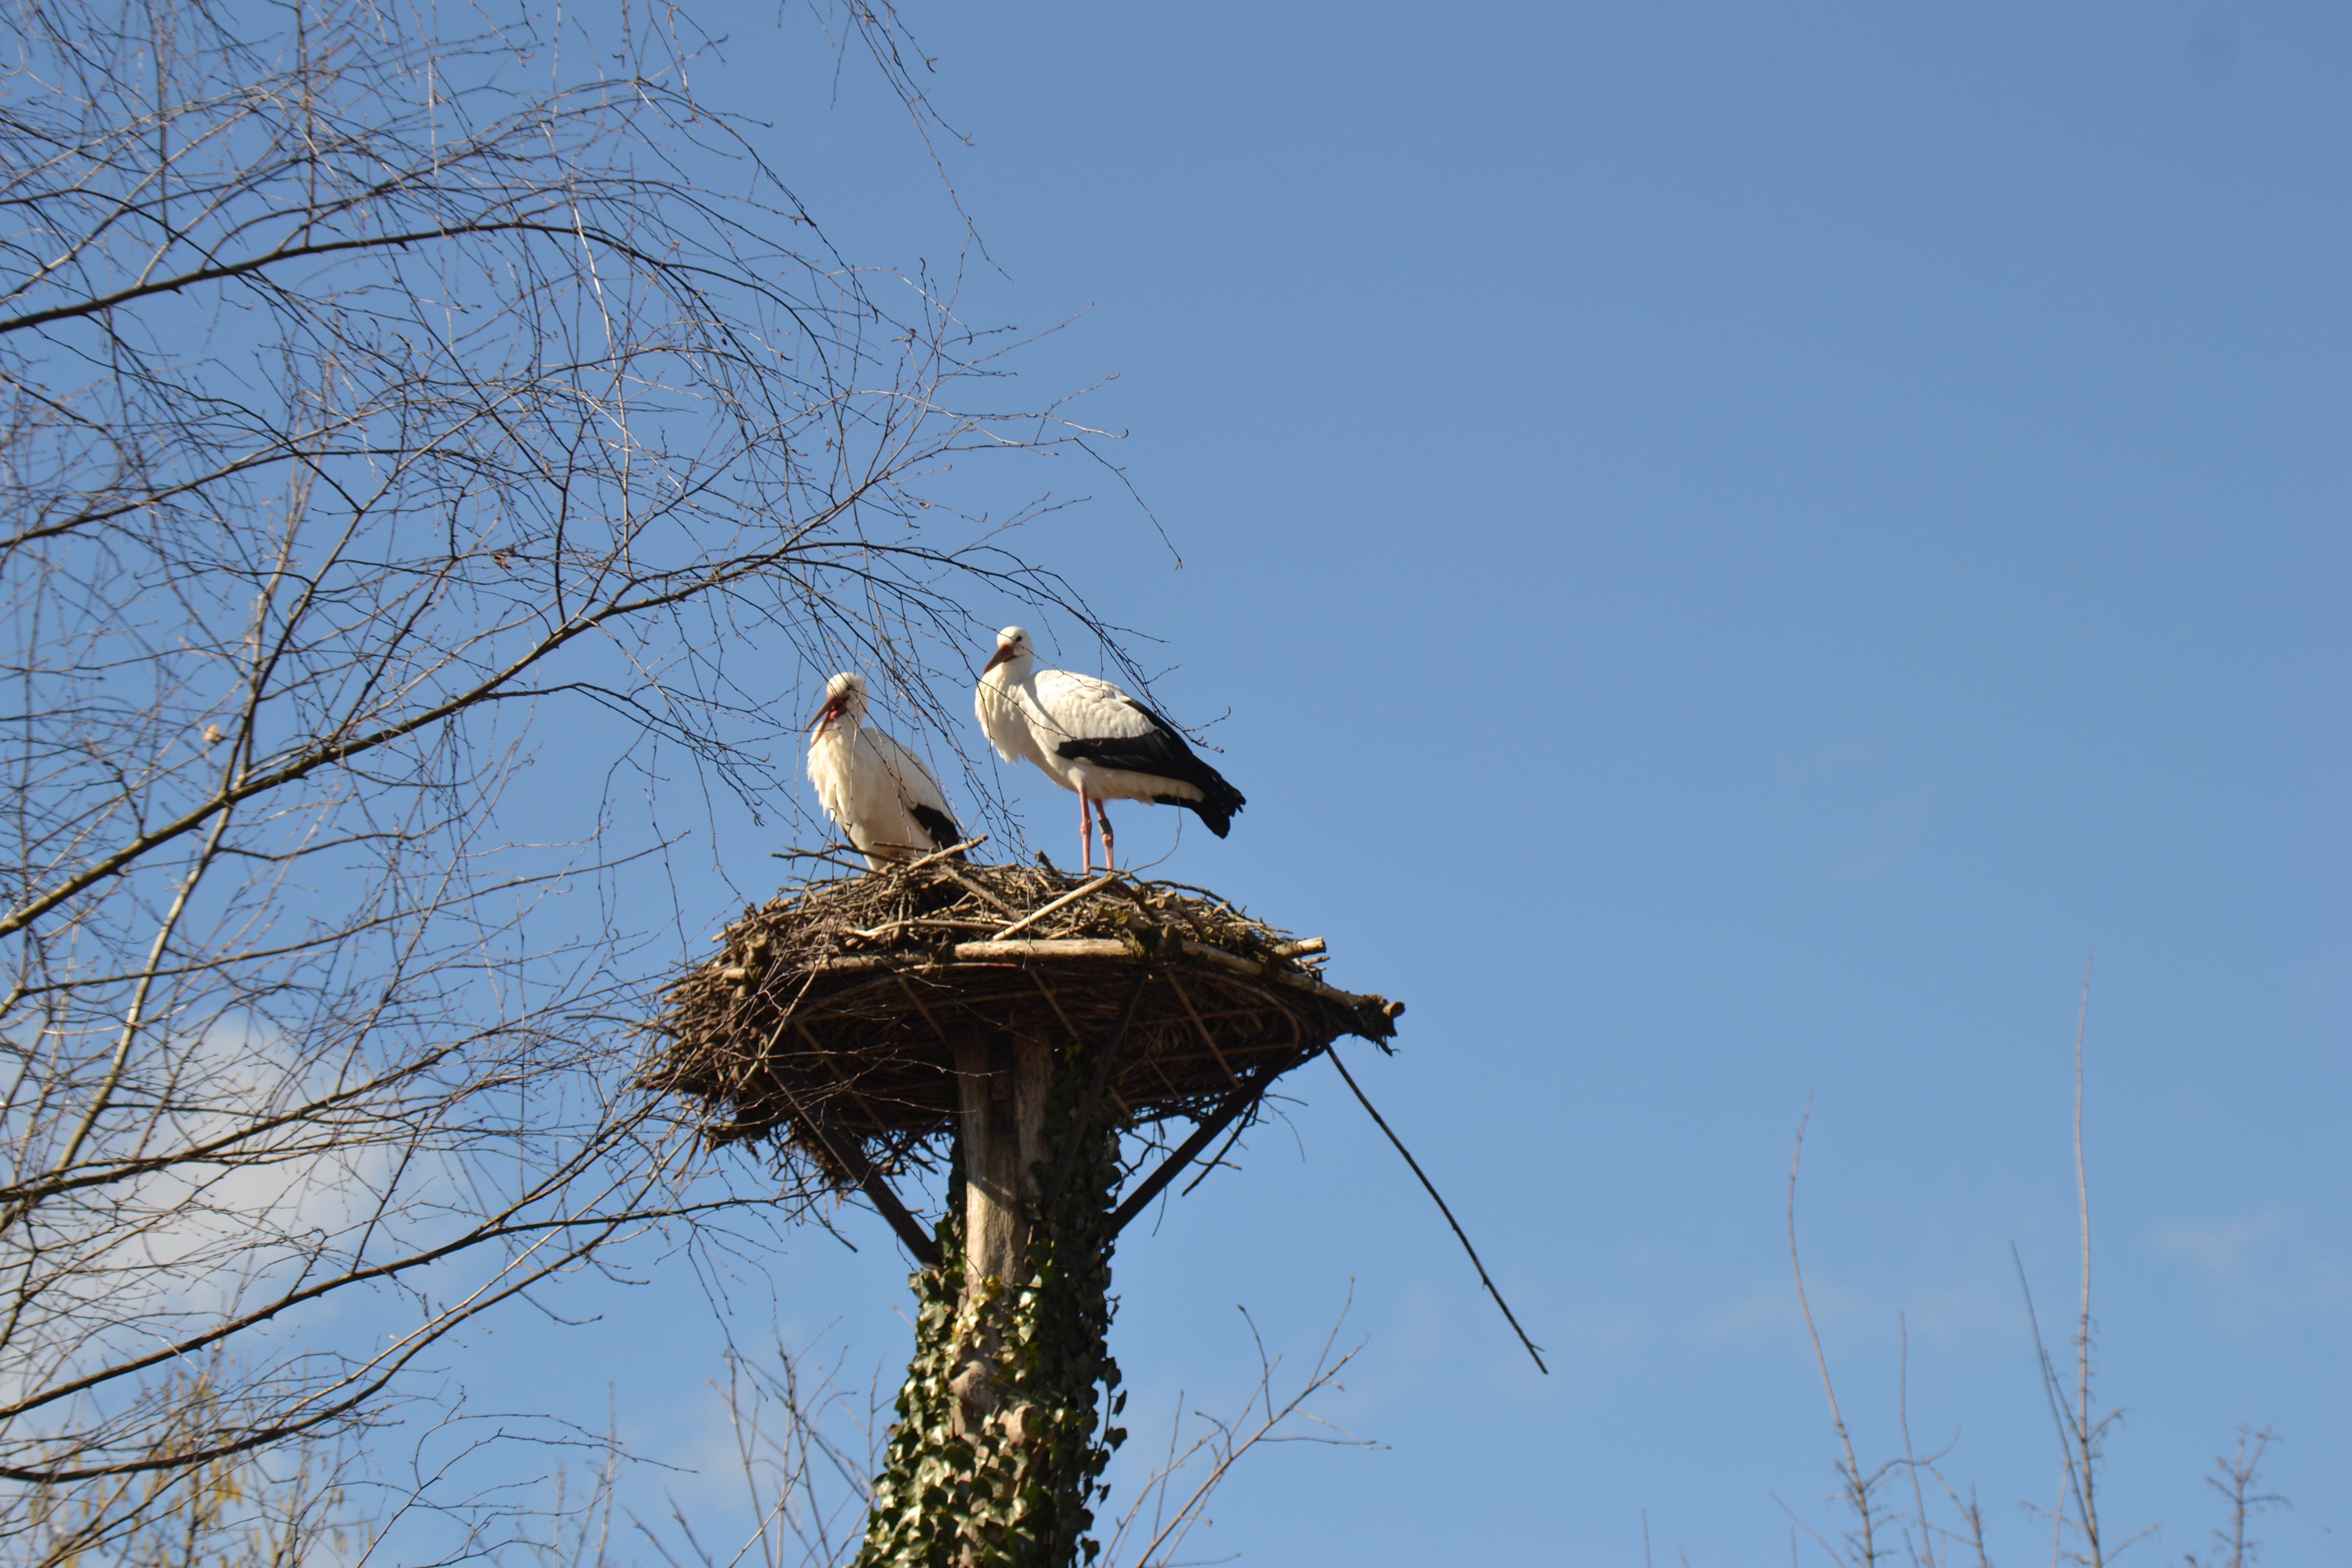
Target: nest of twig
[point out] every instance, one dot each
(839, 1017)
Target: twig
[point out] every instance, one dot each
(1203, 1134)
(947, 868)
(2053, 1392)
(2085, 1435)
(1859, 1491)
(1857, 1484)
(814, 855)
(1214, 1160)
(871, 1182)
(949, 853)
(1910, 1457)
(1228, 1442)
(1459, 1233)
(1042, 911)
(1207, 1038)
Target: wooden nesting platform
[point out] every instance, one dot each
(835, 1017)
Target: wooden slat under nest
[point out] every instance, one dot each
(831, 1017)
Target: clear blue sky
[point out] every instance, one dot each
(1739, 543)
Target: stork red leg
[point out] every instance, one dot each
(1085, 834)
(1110, 861)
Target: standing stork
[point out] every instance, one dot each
(1089, 736)
(878, 792)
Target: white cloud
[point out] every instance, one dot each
(2227, 1247)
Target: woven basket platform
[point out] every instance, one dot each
(833, 1016)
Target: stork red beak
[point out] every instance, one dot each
(835, 707)
(1003, 651)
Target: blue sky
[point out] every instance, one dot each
(1739, 544)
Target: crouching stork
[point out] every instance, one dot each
(877, 791)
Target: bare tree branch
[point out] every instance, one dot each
(412, 469)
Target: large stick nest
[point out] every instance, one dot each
(835, 1018)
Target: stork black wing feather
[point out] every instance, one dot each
(1161, 752)
(937, 823)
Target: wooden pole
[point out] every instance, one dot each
(1003, 1084)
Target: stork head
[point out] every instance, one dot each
(1012, 648)
(845, 698)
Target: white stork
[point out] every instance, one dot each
(1089, 736)
(878, 792)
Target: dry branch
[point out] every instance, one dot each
(386, 408)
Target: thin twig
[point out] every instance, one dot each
(950, 852)
(1431, 1187)
(1858, 1493)
(1042, 911)
(2085, 1435)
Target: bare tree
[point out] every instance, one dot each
(1173, 1498)
(2237, 1476)
(809, 1440)
(1942, 1526)
(387, 391)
